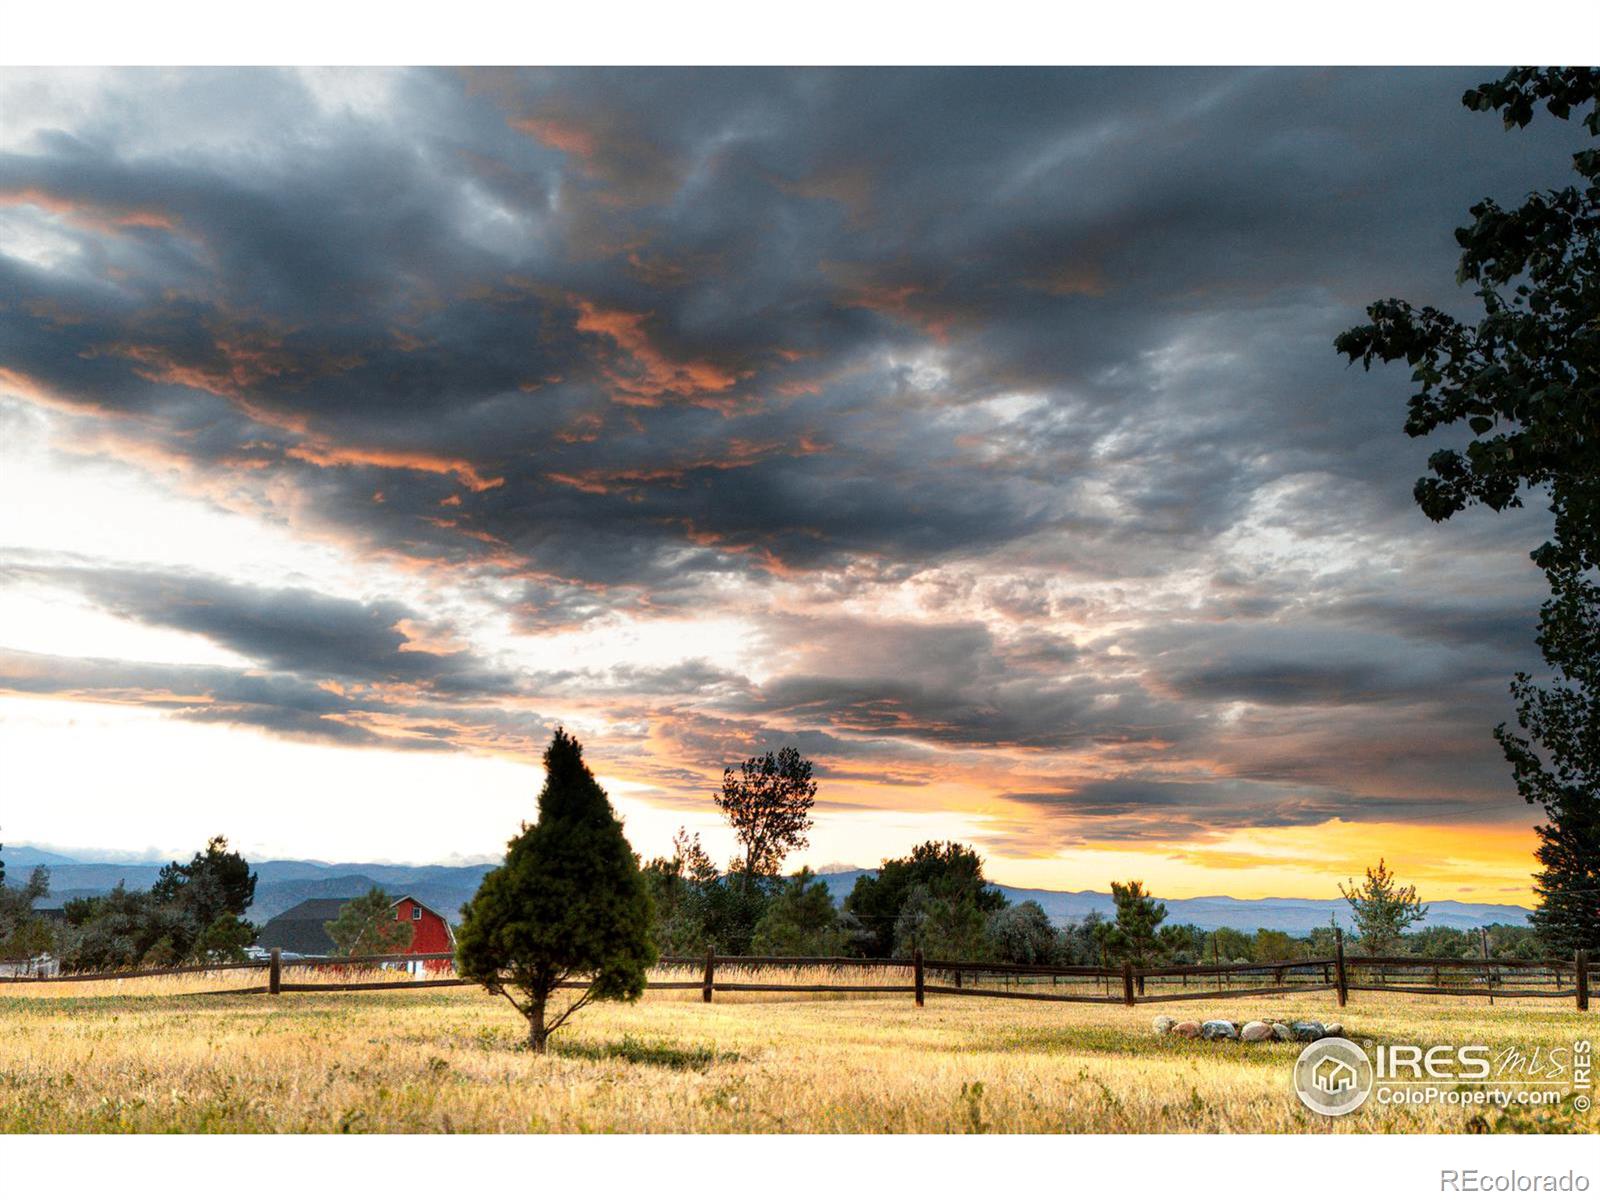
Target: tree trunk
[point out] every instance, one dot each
(538, 1038)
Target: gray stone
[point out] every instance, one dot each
(1333, 1029)
(1307, 1031)
(1219, 1031)
(1163, 1025)
(1188, 1029)
(1256, 1031)
(1281, 1032)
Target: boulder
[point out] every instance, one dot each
(1333, 1029)
(1307, 1031)
(1188, 1029)
(1281, 1032)
(1256, 1031)
(1219, 1031)
(1163, 1025)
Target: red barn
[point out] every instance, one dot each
(429, 931)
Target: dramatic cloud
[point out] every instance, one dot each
(978, 430)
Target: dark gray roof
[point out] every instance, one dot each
(300, 929)
(325, 909)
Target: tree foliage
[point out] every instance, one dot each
(367, 925)
(768, 803)
(568, 904)
(194, 913)
(1022, 933)
(23, 933)
(942, 924)
(1556, 764)
(1382, 908)
(1525, 380)
(943, 870)
(1522, 378)
(801, 919)
(1136, 936)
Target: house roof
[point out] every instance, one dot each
(324, 909)
(299, 930)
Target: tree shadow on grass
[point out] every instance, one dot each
(645, 1053)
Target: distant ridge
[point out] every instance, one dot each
(283, 883)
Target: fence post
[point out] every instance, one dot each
(1127, 981)
(1581, 965)
(1341, 981)
(1488, 974)
(711, 972)
(916, 966)
(275, 972)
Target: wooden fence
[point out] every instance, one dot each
(1510, 978)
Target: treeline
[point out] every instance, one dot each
(192, 914)
(936, 900)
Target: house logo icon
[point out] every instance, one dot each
(1333, 1077)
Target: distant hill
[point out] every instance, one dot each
(280, 883)
(283, 883)
(1293, 916)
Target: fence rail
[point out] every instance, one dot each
(1493, 978)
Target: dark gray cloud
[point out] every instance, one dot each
(1052, 345)
(294, 630)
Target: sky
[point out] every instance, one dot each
(977, 432)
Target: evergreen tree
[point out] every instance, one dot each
(568, 906)
(1134, 938)
(1557, 765)
(205, 901)
(947, 924)
(1382, 909)
(801, 920)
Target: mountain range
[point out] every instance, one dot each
(283, 883)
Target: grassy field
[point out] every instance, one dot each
(134, 1059)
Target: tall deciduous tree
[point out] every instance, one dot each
(366, 925)
(1525, 379)
(1382, 908)
(768, 802)
(568, 905)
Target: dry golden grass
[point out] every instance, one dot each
(144, 1059)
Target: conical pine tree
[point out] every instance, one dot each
(568, 905)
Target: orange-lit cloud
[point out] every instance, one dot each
(654, 375)
(325, 454)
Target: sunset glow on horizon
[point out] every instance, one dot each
(978, 433)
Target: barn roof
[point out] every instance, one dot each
(423, 904)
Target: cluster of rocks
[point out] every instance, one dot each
(1218, 1030)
